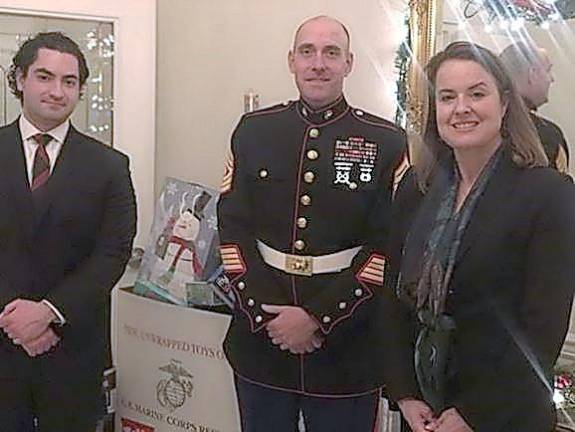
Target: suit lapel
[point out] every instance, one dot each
(13, 164)
(44, 196)
(499, 188)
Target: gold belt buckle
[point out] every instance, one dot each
(299, 265)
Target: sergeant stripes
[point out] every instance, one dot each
(400, 171)
(228, 173)
(232, 259)
(372, 271)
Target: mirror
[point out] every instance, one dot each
(93, 114)
(548, 24)
(436, 23)
(492, 28)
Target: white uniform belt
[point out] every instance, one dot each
(307, 265)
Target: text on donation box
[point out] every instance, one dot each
(172, 372)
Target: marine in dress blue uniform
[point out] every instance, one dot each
(303, 217)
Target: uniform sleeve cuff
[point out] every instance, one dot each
(60, 320)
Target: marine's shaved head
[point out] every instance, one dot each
(322, 18)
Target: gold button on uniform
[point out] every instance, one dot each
(241, 285)
(301, 222)
(314, 133)
(251, 302)
(299, 244)
(358, 292)
(259, 319)
(353, 185)
(342, 305)
(263, 173)
(327, 114)
(309, 177)
(326, 319)
(312, 154)
(305, 200)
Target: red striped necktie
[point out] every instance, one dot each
(41, 166)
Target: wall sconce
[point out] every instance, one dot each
(251, 101)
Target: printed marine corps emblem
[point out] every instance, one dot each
(173, 391)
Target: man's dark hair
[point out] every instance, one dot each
(28, 53)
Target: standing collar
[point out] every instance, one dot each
(27, 129)
(324, 114)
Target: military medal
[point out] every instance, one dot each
(354, 157)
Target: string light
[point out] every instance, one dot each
(541, 12)
(100, 103)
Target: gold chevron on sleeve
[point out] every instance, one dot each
(228, 173)
(400, 171)
(232, 259)
(372, 271)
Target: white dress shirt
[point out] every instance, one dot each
(28, 130)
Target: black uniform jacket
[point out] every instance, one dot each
(553, 142)
(67, 243)
(309, 183)
(510, 296)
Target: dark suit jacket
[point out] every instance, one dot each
(553, 142)
(68, 244)
(510, 296)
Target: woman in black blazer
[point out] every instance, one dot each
(481, 263)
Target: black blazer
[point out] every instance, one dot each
(68, 243)
(510, 296)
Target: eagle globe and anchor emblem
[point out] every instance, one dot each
(173, 391)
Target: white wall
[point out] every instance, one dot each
(210, 52)
(134, 81)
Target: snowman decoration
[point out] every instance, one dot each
(180, 255)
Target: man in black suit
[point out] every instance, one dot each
(530, 67)
(66, 229)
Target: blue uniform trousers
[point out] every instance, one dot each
(264, 409)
